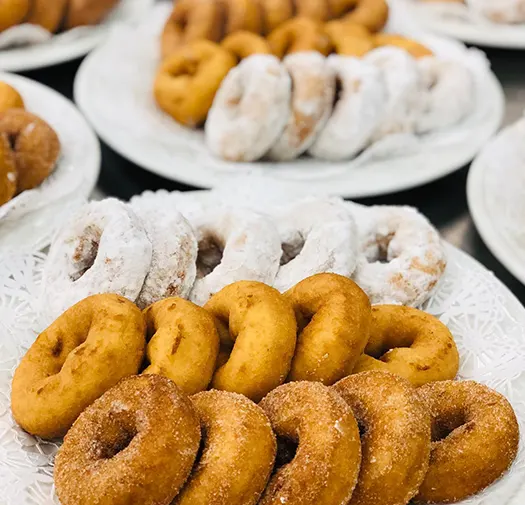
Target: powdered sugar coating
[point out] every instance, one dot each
(250, 110)
(358, 112)
(312, 98)
(102, 249)
(500, 11)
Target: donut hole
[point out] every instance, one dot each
(393, 341)
(378, 251)
(86, 251)
(286, 451)
(445, 425)
(338, 95)
(291, 250)
(209, 256)
(119, 443)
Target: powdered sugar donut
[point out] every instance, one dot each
(174, 254)
(234, 246)
(250, 109)
(103, 249)
(401, 255)
(403, 85)
(448, 91)
(317, 236)
(357, 113)
(500, 11)
(313, 82)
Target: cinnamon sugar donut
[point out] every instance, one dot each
(409, 343)
(13, 12)
(250, 109)
(395, 440)
(313, 83)
(8, 174)
(238, 453)
(35, 144)
(326, 464)
(121, 449)
(362, 95)
(402, 257)
(243, 44)
(333, 316)
(87, 12)
(47, 13)
(10, 98)
(182, 343)
(241, 15)
(475, 437)
(257, 327)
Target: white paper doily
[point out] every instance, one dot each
(488, 324)
(114, 89)
(64, 46)
(496, 190)
(29, 220)
(457, 21)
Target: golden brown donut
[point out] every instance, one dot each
(299, 34)
(372, 14)
(409, 343)
(13, 12)
(85, 352)
(8, 174)
(315, 10)
(47, 13)
(258, 325)
(35, 144)
(475, 437)
(238, 452)
(243, 44)
(241, 15)
(187, 81)
(182, 343)
(414, 48)
(275, 13)
(326, 464)
(349, 39)
(10, 98)
(396, 437)
(135, 444)
(87, 12)
(333, 315)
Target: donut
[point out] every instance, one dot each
(349, 39)
(361, 94)
(182, 343)
(241, 15)
(257, 328)
(186, 82)
(333, 315)
(243, 44)
(274, 13)
(73, 362)
(250, 109)
(299, 34)
(87, 12)
(449, 92)
(402, 257)
(13, 12)
(502, 12)
(372, 14)
(8, 174)
(412, 47)
(325, 466)
(238, 453)
(35, 144)
(409, 343)
(173, 256)
(102, 249)
(396, 437)
(121, 449)
(233, 246)
(47, 13)
(313, 84)
(312, 9)
(475, 437)
(10, 98)
(317, 236)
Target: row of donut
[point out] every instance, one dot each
(509, 12)
(147, 250)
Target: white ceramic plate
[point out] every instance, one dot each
(114, 89)
(72, 44)
(29, 220)
(496, 197)
(455, 20)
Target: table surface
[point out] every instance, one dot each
(444, 202)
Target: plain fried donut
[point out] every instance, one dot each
(10, 98)
(8, 174)
(250, 109)
(349, 39)
(412, 47)
(362, 95)
(313, 83)
(243, 44)
(372, 14)
(241, 15)
(182, 343)
(86, 351)
(135, 444)
(396, 437)
(402, 257)
(317, 236)
(257, 324)
(188, 79)
(102, 249)
(333, 316)
(234, 246)
(47, 13)
(238, 453)
(275, 13)
(475, 437)
(409, 343)
(13, 12)
(326, 464)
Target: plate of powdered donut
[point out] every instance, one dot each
(49, 162)
(181, 377)
(334, 106)
(482, 22)
(41, 33)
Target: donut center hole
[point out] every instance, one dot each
(380, 251)
(291, 251)
(392, 342)
(444, 426)
(119, 443)
(12, 138)
(209, 256)
(286, 451)
(338, 95)
(86, 251)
